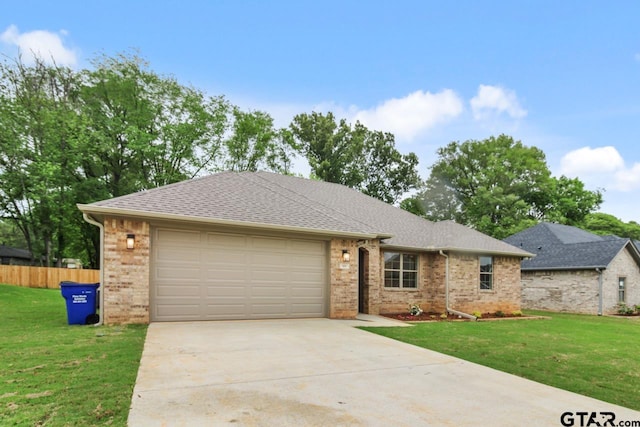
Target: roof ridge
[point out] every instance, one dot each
(310, 203)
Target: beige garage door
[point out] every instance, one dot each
(203, 275)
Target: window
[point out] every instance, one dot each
(400, 270)
(622, 284)
(486, 273)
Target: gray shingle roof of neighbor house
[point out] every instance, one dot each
(269, 200)
(563, 247)
(9, 252)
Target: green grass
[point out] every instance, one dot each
(54, 374)
(590, 355)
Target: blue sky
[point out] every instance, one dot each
(562, 76)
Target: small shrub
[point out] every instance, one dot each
(625, 310)
(637, 308)
(500, 313)
(415, 310)
(516, 313)
(444, 315)
(477, 314)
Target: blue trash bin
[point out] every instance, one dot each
(81, 302)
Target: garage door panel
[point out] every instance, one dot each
(306, 309)
(268, 243)
(181, 310)
(267, 309)
(226, 240)
(306, 276)
(224, 274)
(308, 246)
(265, 290)
(269, 260)
(221, 257)
(226, 291)
(205, 275)
(224, 311)
(308, 292)
(178, 237)
(168, 272)
(178, 291)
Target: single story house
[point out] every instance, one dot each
(577, 271)
(14, 256)
(256, 245)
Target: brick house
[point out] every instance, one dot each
(262, 245)
(577, 271)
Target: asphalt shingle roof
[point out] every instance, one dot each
(9, 252)
(562, 247)
(266, 198)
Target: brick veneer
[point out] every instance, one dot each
(126, 272)
(577, 291)
(464, 286)
(343, 293)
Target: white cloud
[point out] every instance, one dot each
(409, 116)
(589, 160)
(42, 44)
(494, 100)
(602, 166)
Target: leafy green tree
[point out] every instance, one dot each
(40, 134)
(148, 130)
(500, 186)
(606, 224)
(355, 156)
(331, 147)
(256, 145)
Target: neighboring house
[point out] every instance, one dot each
(14, 256)
(262, 245)
(576, 271)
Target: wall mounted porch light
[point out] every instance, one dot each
(131, 240)
(345, 255)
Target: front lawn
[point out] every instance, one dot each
(590, 355)
(54, 374)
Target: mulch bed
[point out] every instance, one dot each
(437, 317)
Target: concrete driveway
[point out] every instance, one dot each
(322, 372)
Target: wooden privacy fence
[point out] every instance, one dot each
(45, 277)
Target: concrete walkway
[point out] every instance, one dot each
(321, 372)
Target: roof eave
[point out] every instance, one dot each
(454, 249)
(572, 268)
(133, 213)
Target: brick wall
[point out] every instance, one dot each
(398, 300)
(464, 285)
(570, 291)
(126, 272)
(622, 265)
(577, 291)
(343, 293)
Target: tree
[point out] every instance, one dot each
(147, 130)
(355, 156)
(500, 186)
(40, 132)
(330, 148)
(256, 145)
(605, 224)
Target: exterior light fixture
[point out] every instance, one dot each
(131, 240)
(345, 255)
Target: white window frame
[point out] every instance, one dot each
(622, 289)
(401, 271)
(488, 274)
